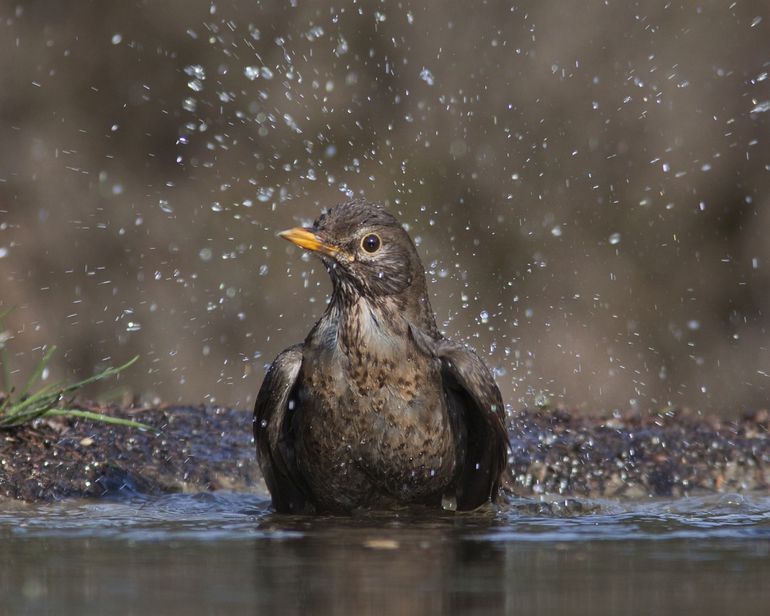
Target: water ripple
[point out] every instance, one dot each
(238, 516)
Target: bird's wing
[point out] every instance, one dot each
(476, 408)
(272, 433)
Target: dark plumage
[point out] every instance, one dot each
(376, 409)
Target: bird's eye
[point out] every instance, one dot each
(371, 243)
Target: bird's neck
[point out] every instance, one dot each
(380, 324)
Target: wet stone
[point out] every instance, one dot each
(676, 453)
(203, 448)
(195, 449)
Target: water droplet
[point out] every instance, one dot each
(196, 71)
(427, 76)
(264, 194)
(615, 239)
(117, 38)
(314, 33)
(342, 47)
(205, 254)
(291, 123)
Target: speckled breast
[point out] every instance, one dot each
(372, 431)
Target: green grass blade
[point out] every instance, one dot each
(99, 417)
(30, 409)
(9, 421)
(108, 372)
(6, 401)
(49, 393)
(43, 402)
(27, 414)
(35, 376)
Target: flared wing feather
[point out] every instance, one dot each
(273, 435)
(478, 414)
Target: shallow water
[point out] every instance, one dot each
(227, 553)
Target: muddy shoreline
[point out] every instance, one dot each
(554, 452)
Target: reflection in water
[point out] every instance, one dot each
(355, 568)
(215, 554)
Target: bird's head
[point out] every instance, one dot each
(365, 249)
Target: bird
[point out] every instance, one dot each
(376, 409)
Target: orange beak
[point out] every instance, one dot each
(305, 238)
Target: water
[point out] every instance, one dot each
(227, 553)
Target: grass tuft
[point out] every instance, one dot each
(16, 410)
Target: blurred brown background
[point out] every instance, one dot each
(587, 182)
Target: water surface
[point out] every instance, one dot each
(227, 553)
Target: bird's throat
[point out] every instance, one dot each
(376, 326)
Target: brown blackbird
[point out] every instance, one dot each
(376, 409)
